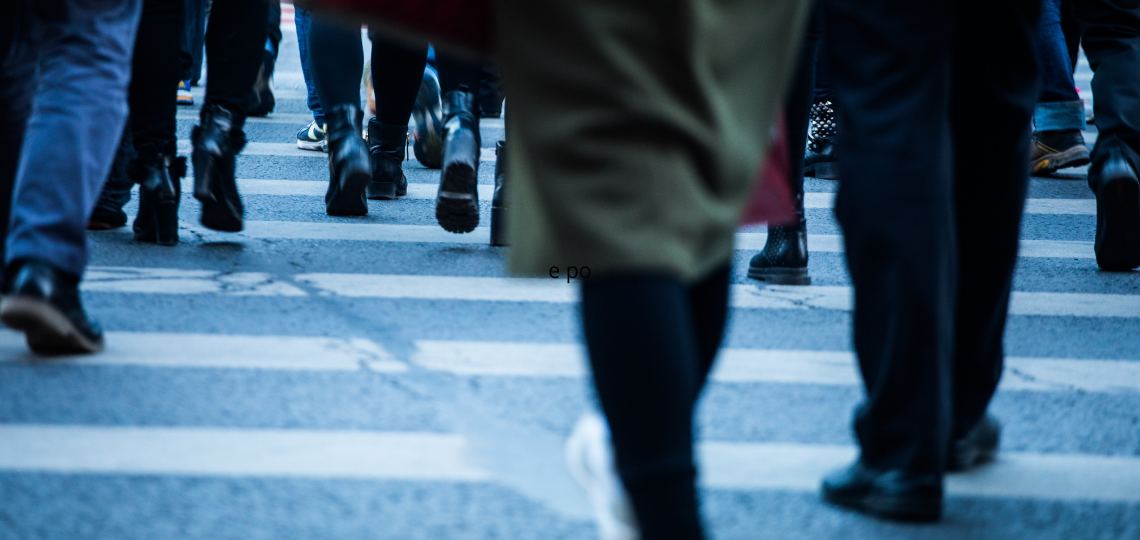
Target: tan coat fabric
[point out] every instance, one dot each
(636, 127)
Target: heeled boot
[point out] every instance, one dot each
(784, 259)
(820, 160)
(457, 203)
(499, 198)
(160, 190)
(349, 167)
(387, 145)
(217, 139)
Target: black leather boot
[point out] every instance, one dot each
(457, 204)
(387, 145)
(499, 198)
(820, 160)
(217, 140)
(43, 302)
(349, 168)
(784, 259)
(160, 190)
(108, 213)
(1117, 189)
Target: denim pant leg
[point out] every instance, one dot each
(302, 18)
(85, 67)
(1059, 106)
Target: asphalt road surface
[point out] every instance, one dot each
(376, 377)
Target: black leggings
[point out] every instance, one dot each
(652, 340)
(454, 72)
(337, 59)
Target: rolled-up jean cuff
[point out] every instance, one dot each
(1059, 115)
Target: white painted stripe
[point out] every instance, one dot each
(743, 296)
(799, 467)
(833, 368)
(833, 243)
(417, 191)
(178, 281)
(236, 452)
(176, 350)
(290, 149)
(416, 456)
(303, 119)
(428, 191)
(301, 230)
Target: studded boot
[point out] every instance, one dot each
(820, 160)
(784, 259)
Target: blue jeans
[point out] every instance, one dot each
(80, 97)
(1059, 107)
(302, 19)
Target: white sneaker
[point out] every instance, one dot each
(591, 461)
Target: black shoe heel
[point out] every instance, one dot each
(382, 191)
(498, 226)
(166, 223)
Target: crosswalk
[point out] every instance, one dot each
(388, 373)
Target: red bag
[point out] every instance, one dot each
(771, 198)
(466, 24)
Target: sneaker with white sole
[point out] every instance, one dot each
(311, 137)
(591, 462)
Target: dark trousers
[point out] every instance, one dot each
(82, 53)
(235, 45)
(1110, 34)
(930, 211)
(797, 105)
(156, 75)
(194, 39)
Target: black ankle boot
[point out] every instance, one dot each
(108, 213)
(784, 259)
(217, 140)
(160, 189)
(43, 302)
(1117, 187)
(457, 204)
(820, 160)
(499, 199)
(349, 169)
(387, 145)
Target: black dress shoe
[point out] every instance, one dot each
(820, 160)
(43, 303)
(978, 446)
(1117, 190)
(217, 140)
(891, 494)
(499, 198)
(457, 203)
(262, 101)
(349, 168)
(160, 190)
(387, 145)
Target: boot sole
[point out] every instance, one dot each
(383, 191)
(498, 226)
(1118, 225)
(900, 508)
(457, 212)
(350, 200)
(47, 330)
(781, 276)
(825, 171)
(1074, 157)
